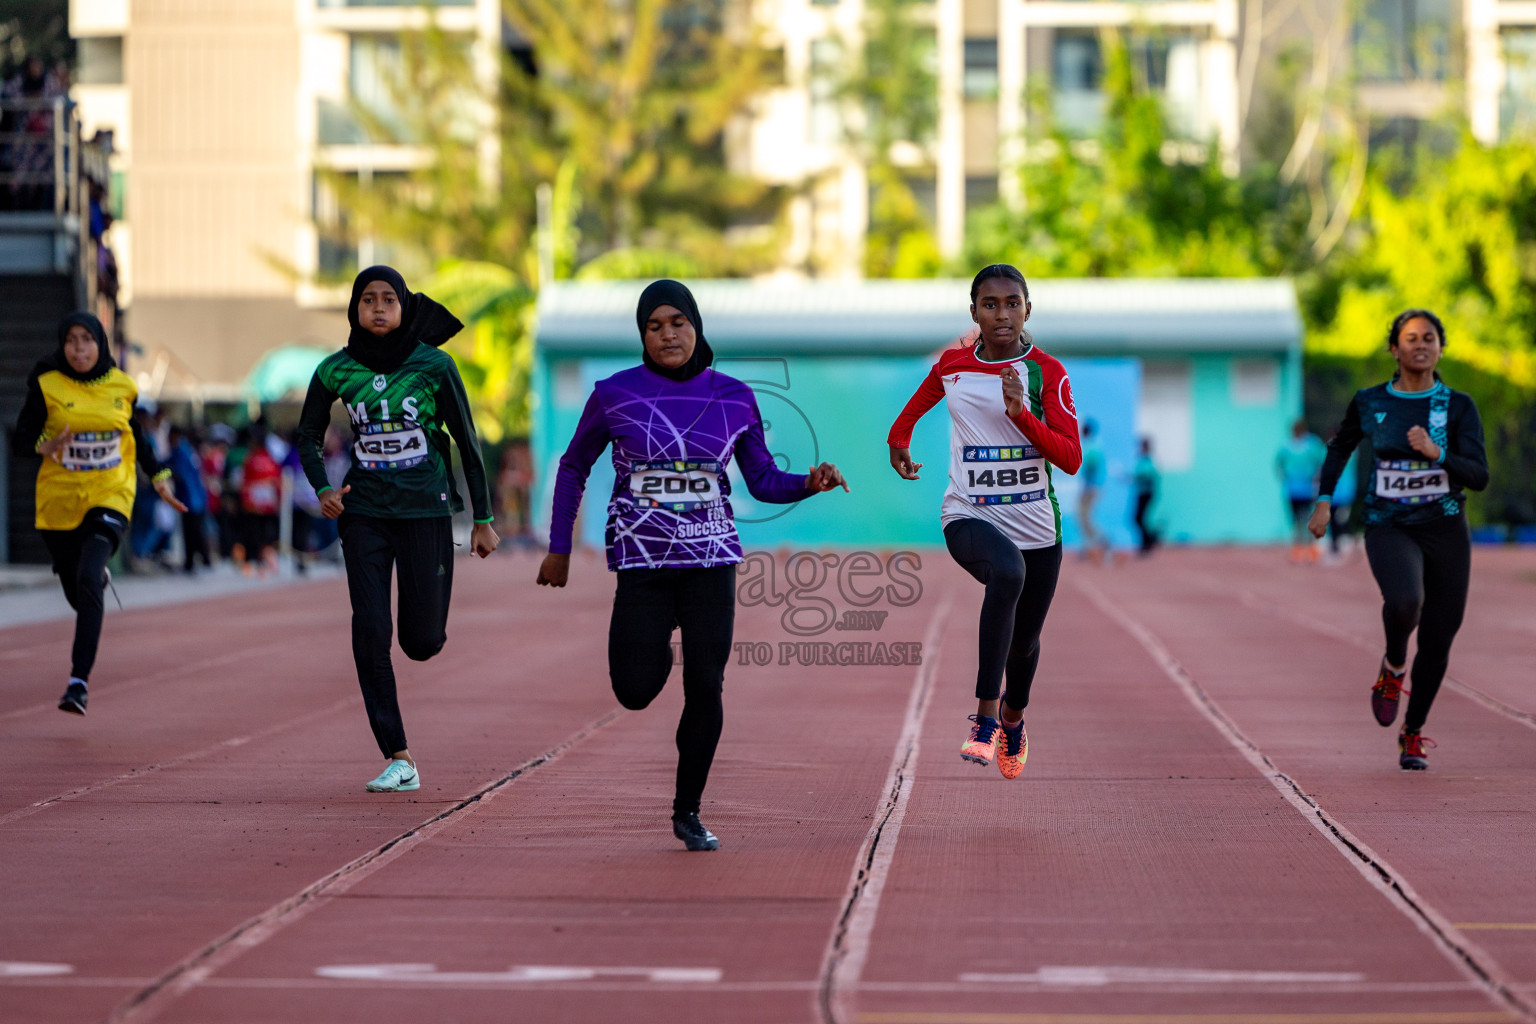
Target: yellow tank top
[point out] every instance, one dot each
(97, 468)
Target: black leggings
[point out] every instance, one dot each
(648, 604)
(423, 549)
(1020, 585)
(80, 559)
(1423, 571)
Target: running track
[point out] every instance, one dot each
(1211, 827)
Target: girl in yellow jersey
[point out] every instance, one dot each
(79, 417)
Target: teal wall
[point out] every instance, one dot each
(838, 409)
(1231, 493)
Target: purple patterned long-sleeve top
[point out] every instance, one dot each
(672, 441)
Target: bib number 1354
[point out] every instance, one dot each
(391, 444)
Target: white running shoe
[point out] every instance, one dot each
(399, 777)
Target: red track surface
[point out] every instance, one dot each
(199, 848)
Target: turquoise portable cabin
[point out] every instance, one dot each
(1209, 370)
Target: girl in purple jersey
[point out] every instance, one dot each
(674, 424)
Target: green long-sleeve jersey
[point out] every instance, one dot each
(401, 423)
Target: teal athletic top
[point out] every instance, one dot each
(1406, 487)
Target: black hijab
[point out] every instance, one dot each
(676, 295)
(56, 359)
(422, 319)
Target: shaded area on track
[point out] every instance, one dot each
(1140, 870)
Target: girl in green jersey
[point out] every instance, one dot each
(405, 400)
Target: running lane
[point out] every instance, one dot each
(561, 891)
(1145, 869)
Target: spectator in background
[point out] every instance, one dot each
(1339, 519)
(152, 521)
(215, 455)
(305, 510)
(28, 122)
(261, 485)
(187, 475)
(1144, 483)
(514, 488)
(1095, 544)
(1298, 462)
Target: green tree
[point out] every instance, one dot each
(618, 112)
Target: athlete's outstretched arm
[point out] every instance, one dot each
(591, 437)
(461, 427)
(927, 395)
(765, 480)
(30, 422)
(314, 420)
(1340, 447)
(1343, 444)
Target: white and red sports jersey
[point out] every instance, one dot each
(1000, 466)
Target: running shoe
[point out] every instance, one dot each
(1411, 756)
(981, 745)
(694, 835)
(1385, 694)
(74, 698)
(399, 777)
(1012, 749)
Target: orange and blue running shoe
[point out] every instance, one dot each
(982, 743)
(1012, 749)
(1411, 756)
(1385, 694)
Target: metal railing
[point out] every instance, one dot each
(41, 156)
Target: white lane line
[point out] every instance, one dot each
(1373, 647)
(200, 966)
(1460, 950)
(32, 969)
(1098, 976)
(428, 973)
(843, 962)
(176, 762)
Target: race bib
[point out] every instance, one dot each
(1410, 482)
(675, 485)
(101, 450)
(1002, 476)
(390, 444)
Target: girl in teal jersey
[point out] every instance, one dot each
(1427, 441)
(405, 400)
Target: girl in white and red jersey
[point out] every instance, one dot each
(1011, 420)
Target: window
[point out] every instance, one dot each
(1077, 77)
(393, 3)
(980, 81)
(1255, 382)
(1166, 414)
(1517, 115)
(826, 120)
(1405, 41)
(99, 60)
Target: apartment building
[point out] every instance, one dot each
(224, 114)
(1405, 62)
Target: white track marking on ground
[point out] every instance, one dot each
(217, 661)
(1472, 693)
(429, 974)
(197, 968)
(32, 969)
(1461, 951)
(1098, 976)
(843, 962)
(176, 762)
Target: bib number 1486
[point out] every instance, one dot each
(1004, 477)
